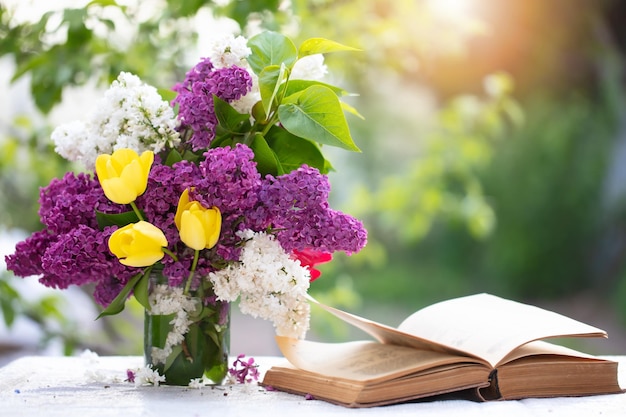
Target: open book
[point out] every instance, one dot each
(482, 345)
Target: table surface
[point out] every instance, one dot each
(91, 385)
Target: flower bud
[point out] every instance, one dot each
(124, 174)
(138, 244)
(199, 227)
(309, 258)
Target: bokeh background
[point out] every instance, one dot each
(493, 150)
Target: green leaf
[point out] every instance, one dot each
(266, 160)
(119, 302)
(349, 109)
(177, 351)
(172, 157)
(190, 156)
(317, 115)
(121, 219)
(292, 151)
(229, 119)
(322, 46)
(29, 65)
(167, 94)
(270, 81)
(102, 3)
(271, 48)
(241, 11)
(141, 291)
(8, 312)
(298, 86)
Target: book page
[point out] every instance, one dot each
(539, 347)
(390, 335)
(365, 361)
(489, 326)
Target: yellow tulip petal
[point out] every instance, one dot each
(212, 226)
(182, 204)
(116, 190)
(101, 166)
(146, 160)
(152, 232)
(142, 259)
(138, 244)
(192, 232)
(124, 156)
(132, 176)
(116, 242)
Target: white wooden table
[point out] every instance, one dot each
(94, 386)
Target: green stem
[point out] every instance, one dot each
(273, 120)
(136, 210)
(191, 273)
(170, 253)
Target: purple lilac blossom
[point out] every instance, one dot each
(244, 371)
(73, 200)
(195, 98)
(26, 261)
(70, 250)
(231, 182)
(298, 205)
(79, 257)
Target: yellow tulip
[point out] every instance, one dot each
(138, 244)
(199, 227)
(124, 174)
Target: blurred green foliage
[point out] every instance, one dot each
(27, 161)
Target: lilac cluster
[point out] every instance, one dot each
(195, 98)
(71, 249)
(72, 200)
(298, 206)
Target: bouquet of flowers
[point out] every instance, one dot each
(221, 194)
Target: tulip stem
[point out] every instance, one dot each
(170, 253)
(136, 210)
(192, 271)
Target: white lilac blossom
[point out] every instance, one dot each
(309, 67)
(131, 115)
(268, 282)
(148, 376)
(226, 50)
(166, 300)
(197, 383)
(94, 373)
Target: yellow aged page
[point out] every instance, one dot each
(364, 361)
(489, 326)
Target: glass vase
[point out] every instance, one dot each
(186, 336)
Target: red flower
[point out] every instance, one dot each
(309, 258)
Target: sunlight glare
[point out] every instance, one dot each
(453, 10)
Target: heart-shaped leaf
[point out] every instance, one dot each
(322, 46)
(271, 48)
(266, 160)
(293, 151)
(317, 115)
